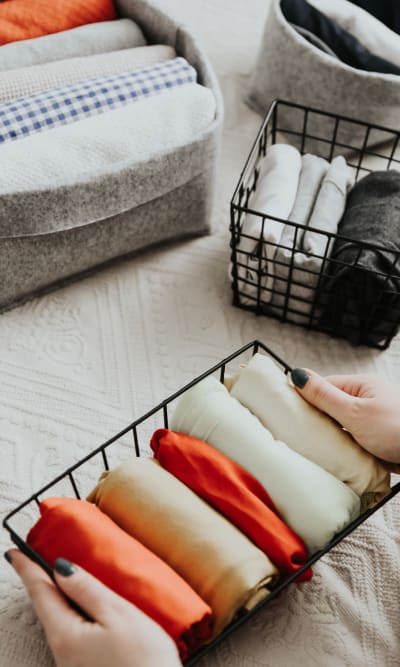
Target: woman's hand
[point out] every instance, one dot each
(366, 405)
(120, 635)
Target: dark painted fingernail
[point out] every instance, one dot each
(299, 377)
(64, 567)
(8, 557)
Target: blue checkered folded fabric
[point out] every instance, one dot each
(74, 102)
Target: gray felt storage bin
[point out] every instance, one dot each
(291, 68)
(168, 196)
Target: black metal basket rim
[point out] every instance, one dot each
(307, 109)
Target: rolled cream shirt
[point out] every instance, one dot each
(313, 502)
(220, 563)
(265, 390)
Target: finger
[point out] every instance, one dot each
(355, 385)
(98, 601)
(49, 604)
(323, 395)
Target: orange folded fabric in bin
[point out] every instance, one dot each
(25, 19)
(235, 493)
(79, 531)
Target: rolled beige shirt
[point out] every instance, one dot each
(265, 390)
(220, 563)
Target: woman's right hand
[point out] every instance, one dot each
(366, 405)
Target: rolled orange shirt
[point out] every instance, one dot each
(79, 531)
(235, 493)
(24, 19)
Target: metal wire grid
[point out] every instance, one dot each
(102, 454)
(287, 293)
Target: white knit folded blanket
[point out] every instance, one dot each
(69, 104)
(39, 78)
(85, 40)
(310, 500)
(37, 175)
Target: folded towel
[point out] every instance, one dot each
(24, 19)
(39, 78)
(58, 184)
(275, 194)
(317, 247)
(222, 565)
(264, 389)
(86, 40)
(342, 43)
(74, 102)
(313, 170)
(360, 295)
(233, 491)
(371, 32)
(310, 500)
(78, 531)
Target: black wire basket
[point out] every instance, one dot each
(368, 313)
(79, 479)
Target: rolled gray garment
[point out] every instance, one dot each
(313, 170)
(86, 40)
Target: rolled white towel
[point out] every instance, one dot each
(85, 40)
(313, 502)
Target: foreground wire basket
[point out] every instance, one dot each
(80, 478)
(366, 148)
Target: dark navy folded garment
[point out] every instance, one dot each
(361, 288)
(344, 45)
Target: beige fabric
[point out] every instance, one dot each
(227, 570)
(39, 78)
(313, 503)
(265, 390)
(85, 40)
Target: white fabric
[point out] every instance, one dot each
(328, 208)
(371, 32)
(263, 388)
(94, 146)
(39, 78)
(274, 196)
(85, 40)
(79, 364)
(313, 503)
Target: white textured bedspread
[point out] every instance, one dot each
(79, 364)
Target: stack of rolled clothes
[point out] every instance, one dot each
(319, 252)
(283, 249)
(250, 482)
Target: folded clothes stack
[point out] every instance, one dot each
(302, 254)
(225, 510)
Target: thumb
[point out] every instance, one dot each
(86, 591)
(323, 395)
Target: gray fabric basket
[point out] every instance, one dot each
(168, 196)
(290, 68)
